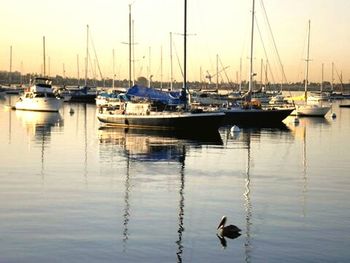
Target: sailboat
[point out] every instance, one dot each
(85, 93)
(308, 108)
(251, 111)
(145, 114)
(321, 95)
(39, 96)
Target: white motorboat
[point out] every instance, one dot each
(39, 97)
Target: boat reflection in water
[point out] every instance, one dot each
(38, 126)
(139, 145)
(247, 132)
(155, 145)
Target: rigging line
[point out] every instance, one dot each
(178, 60)
(228, 80)
(270, 69)
(273, 40)
(98, 64)
(263, 45)
(92, 68)
(141, 67)
(220, 74)
(340, 79)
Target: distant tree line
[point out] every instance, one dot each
(16, 78)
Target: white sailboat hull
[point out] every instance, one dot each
(312, 110)
(38, 104)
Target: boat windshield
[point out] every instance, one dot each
(44, 95)
(43, 82)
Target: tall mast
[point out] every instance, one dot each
(184, 91)
(21, 72)
(265, 82)
(261, 73)
(240, 75)
(87, 55)
(332, 82)
(251, 55)
(149, 67)
(44, 55)
(171, 61)
(129, 45)
(282, 77)
(133, 52)
(322, 79)
(217, 71)
(10, 75)
(113, 69)
(78, 70)
(341, 81)
(161, 67)
(307, 62)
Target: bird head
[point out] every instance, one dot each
(222, 222)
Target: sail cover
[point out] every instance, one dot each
(166, 97)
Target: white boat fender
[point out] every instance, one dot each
(234, 128)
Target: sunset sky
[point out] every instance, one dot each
(216, 27)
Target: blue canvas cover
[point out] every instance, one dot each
(166, 97)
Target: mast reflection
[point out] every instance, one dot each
(300, 132)
(248, 205)
(181, 209)
(152, 146)
(304, 172)
(244, 138)
(126, 210)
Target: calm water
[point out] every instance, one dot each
(71, 192)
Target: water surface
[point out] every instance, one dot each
(73, 192)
